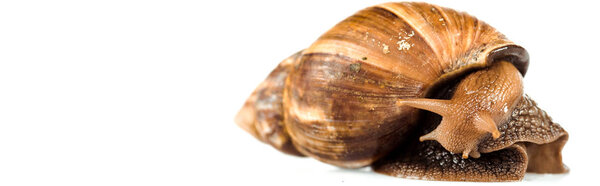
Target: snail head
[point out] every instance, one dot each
(482, 100)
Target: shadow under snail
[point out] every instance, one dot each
(413, 90)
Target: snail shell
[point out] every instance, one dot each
(336, 101)
(341, 97)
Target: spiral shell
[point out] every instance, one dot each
(339, 99)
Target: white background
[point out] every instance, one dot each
(144, 92)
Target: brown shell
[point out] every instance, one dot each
(262, 114)
(339, 100)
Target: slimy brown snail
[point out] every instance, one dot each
(413, 90)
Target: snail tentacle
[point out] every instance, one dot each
(438, 106)
(486, 123)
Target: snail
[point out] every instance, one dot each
(413, 90)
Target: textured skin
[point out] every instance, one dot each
(430, 161)
(544, 139)
(506, 158)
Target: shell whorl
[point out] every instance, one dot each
(339, 98)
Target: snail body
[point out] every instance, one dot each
(356, 96)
